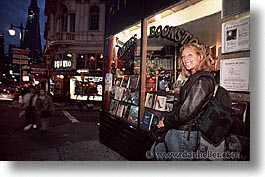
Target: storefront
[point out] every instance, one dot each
(67, 70)
(143, 63)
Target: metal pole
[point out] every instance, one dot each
(20, 72)
(21, 34)
(21, 38)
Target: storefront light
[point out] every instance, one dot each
(69, 55)
(101, 55)
(158, 17)
(127, 32)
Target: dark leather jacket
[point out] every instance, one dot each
(194, 95)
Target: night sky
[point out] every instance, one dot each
(14, 12)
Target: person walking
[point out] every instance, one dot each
(44, 109)
(29, 100)
(183, 135)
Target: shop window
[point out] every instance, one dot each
(94, 62)
(86, 88)
(94, 18)
(64, 19)
(124, 96)
(80, 61)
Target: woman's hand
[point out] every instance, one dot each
(161, 123)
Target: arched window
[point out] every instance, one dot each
(94, 18)
(64, 19)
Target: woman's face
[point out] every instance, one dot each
(190, 59)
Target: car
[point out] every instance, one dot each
(7, 94)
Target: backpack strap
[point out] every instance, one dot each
(215, 90)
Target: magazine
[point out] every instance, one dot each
(134, 81)
(147, 119)
(125, 81)
(113, 106)
(133, 115)
(126, 111)
(118, 93)
(149, 100)
(118, 81)
(120, 110)
(170, 103)
(160, 103)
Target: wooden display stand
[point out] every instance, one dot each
(127, 140)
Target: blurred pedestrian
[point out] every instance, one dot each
(29, 100)
(44, 108)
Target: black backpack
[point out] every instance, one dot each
(216, 119)
(215, 123)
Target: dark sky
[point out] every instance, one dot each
(15, 12)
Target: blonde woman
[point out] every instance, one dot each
(183, 135)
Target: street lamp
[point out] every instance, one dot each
(12, 32)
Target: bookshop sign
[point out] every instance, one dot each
(125, 48)
(172, 33)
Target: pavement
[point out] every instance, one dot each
(78, 141)
(60, 144)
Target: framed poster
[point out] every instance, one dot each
(235, 36)
(234, 74)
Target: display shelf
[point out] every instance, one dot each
(129, 141)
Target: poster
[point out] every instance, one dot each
(234, 74)
(235, 36)
(151, 83)
(108, 82)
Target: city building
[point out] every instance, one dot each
(32, 39)
(74, 33)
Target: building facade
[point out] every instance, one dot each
(32, 39)
(74, 33)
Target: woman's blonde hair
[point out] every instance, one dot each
(204, 65)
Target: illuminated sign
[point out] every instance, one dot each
(62, 64)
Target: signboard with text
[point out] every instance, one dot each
(20, 56)
(234, 74)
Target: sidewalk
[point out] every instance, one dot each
(60, 105)
(68, 142)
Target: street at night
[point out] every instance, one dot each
(117, 82)
(65, 140)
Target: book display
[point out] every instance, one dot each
(124, 103)
(125, 98)
(137, 99)
(157, 104)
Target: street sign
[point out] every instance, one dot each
(20, 56)
(20, 51)
(22, 62)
